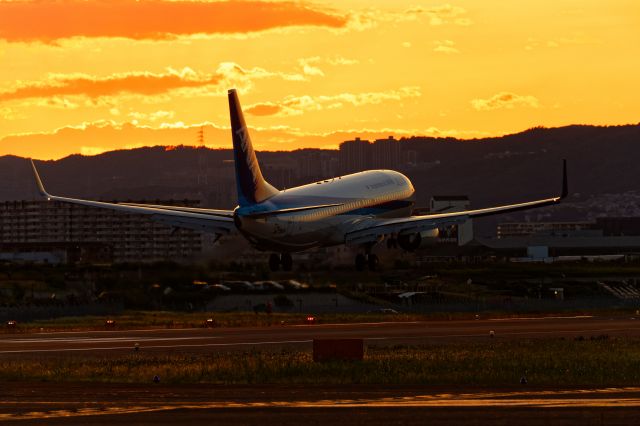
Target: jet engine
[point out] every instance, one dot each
(415, 240)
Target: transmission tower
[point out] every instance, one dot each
(202, 170)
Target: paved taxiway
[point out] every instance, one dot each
(278, 336)
(115, 404)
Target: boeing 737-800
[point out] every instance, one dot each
(360, 209)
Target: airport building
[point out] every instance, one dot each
(523, 229)
(604, 236)
(602, 226)
(52, 232)
(459, 234)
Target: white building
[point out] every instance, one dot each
(451, 204)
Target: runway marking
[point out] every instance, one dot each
(106, 339)
(111, 348)
(140, 330)
(497, 335)
(346, 324)
(169, 330)
(541, 318)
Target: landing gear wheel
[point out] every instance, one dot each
(373, 262)
(274, 262)
(286, 261)
(361, 262)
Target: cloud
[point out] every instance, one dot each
(308, 67)
(440, 15)
(576, 39)
(92, 150)
(233, 72)
(50, 20)
(107, 135)
(445, 46)
(445, 14)
(53, 90)
(10, 114)
(152, 117)
(339, 60)
(296, 105)
(144, 83)
(266, 108)
(54, 102)
(505, 100)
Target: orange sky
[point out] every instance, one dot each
(88, 76)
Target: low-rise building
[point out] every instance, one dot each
(524, 229)
(34, 226)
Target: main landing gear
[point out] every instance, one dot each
(283, 260)
(367, 260)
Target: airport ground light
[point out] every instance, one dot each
(129, 320)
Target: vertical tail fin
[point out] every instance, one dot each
(252, 188)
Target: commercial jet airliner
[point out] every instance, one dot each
(360, 209)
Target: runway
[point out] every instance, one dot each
(277, 337)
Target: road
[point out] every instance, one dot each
(276, 337)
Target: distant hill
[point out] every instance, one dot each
(604, 174)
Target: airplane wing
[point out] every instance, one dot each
(206, 220)
(369, 231)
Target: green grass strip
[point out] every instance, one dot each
(599, 362)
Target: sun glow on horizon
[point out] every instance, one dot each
(89, 76)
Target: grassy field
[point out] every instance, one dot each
(577, 362)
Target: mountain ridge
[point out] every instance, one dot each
(602, 161)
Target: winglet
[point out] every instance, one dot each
(41, 189)
(565, 186)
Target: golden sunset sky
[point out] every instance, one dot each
(90, 76)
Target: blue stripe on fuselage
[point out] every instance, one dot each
(379, 209)
(286, 202)
(293, 202)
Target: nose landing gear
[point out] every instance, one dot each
(277, 260)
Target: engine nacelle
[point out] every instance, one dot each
(416, 240)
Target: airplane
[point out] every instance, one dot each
(360, 209)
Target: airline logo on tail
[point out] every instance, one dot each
(249, 155)
(252, 188)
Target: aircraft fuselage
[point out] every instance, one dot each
(353, 200)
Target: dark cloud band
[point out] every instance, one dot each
(50, 20)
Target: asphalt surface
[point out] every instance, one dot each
(114, 404)
(277, 337)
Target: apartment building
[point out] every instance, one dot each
(32, 225)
